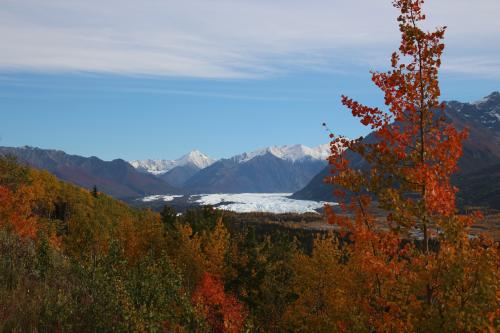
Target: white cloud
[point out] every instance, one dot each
(225, 38)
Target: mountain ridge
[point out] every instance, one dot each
(116, 178)
(262, 173)
(294, 153)
(292, 166)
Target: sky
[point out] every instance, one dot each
(158, 78)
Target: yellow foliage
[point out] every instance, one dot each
(216, 244)
(187, 256)
(318, 281)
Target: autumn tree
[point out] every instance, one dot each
(215, 247)
(185, 249)
(16, 198)
(195, 253)
(318, 283)
(222, 311)
(408, 162)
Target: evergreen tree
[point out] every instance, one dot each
(95, 193)
(168, 216)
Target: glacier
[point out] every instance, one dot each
(248, 202)
(160, 197)
(260, 202)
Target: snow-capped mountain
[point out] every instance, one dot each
(274, 169)
(291, 153)
(155, 167)
(194, 158)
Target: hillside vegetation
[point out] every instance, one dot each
(80, 261)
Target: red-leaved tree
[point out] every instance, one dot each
(443, 282)
(222, 312)
(15, 211)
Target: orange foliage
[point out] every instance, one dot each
(15, 211)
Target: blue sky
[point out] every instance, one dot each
(159, 78)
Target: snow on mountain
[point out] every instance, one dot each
(491, 98)
(291, 153)
(159, 167)
(196, 158)
(486, 111)
(155, 167)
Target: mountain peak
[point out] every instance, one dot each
(292, 153)
(159, 167)
(485, 111)
(494, 97)
(196, 158)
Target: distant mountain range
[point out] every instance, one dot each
(479, 168)
(117, 178)
(272, 169)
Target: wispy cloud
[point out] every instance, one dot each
(226, 38)
(478, 65)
